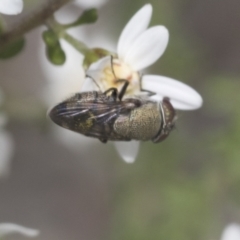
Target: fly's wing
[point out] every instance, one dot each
(93, 119)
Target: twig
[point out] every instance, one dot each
(60, 31)
(31, 21)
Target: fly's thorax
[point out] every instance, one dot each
(118, 70)
(142, 123)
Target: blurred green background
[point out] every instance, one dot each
(182, 189)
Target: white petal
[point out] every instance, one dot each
(147, 48)
(181, 95)
(231, 232)
(97, 67)
(6, 151)
(95, 70)
(88, 85)
(11, 7)
(128, 151)
(9, 228)
(86, 4)
(136, 25)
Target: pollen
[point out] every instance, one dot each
(117, 71)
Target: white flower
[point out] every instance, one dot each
(6, 144)
(231, 232)
(90, 3)
(66, 13)
(11, 7)
(6, 151)
(10, 228)
(139, 47)
(64, 81)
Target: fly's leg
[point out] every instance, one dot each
(123, 89)
(112, 67)
(126, 82)
(103, 140)
(114, 93)
(94, 82)
(150, 93)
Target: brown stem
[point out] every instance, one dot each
(31, 21)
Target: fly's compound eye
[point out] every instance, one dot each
(168, 120)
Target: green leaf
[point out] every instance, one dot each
(12, 49)
(56, 55)
(54, 51)
(89, 16)
(50, 38)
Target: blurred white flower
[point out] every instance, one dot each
(139, 47)
(6, 152)
(67, 14)
(63, 82)
(11, 228)
(11, 7)
(231, 232)
(6, 144)
(90, 3)
(66, 80)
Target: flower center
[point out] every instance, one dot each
(115, 74)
